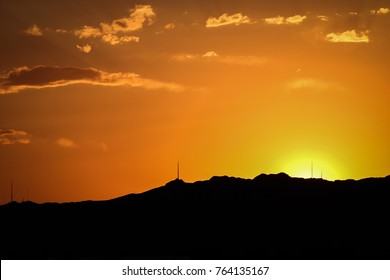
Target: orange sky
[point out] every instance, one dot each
(101, 98)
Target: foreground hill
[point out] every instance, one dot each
(268, 217)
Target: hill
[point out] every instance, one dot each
(268, 217)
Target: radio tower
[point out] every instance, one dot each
(312, 169)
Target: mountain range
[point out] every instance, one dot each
(268, 217)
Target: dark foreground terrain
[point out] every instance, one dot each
(269, 217)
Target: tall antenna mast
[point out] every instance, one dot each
(178, 170)
(312, 169)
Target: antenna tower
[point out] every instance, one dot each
(312, 169)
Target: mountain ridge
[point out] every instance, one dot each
(264, 176)
(271, 216)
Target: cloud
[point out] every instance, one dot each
(184, 57)
(115, 40)
(381, 11)
(140, 15)
(40, 77)
(279, 20)
(60, 30)
(225, 59)
(323, 18)
(34, 30)
(66, 143)
(306, 83)
(87, 32)
(349, 36)
(12, 136)
(85, 49)
(226, 19)
(169, 26)
(297, 19)
(275, 20)
(102, 146)
(210, 54)
(313, 85)
(118, 30)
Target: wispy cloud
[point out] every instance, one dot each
(60, 30)
(225, 19)
(297, 19)
(279, 20)
(66, 143)
(234, 60)
(305, 83)
(380, 11)
(313, 85)
(85, 49)
(40, 77)
(12, 136)
(323, 18)
(212, 56)
(34, 30)
(115, 40)
(349, 36)
(118, 30)
(87, 32)
(169, 26)
(102, 146)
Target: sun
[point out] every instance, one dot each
(316, 166)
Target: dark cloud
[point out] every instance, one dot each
(43, 75)
(39, 77)
(12, 136)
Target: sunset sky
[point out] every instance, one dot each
(101, 98)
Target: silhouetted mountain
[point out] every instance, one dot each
(269, 217)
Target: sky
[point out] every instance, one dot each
(101, 98)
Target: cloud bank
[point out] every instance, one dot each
(212, 56)
(34, 30)
(225, 19)
(380, 11)
(40, 77)
(12, 136)
(85, 49)
(349, 36)
(66, 143)
(118, 30)
(323, 18)
(307, 83)
(279, 20)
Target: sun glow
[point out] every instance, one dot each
(313, 167)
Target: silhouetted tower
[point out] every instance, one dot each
(311, 169)
(178, 170)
